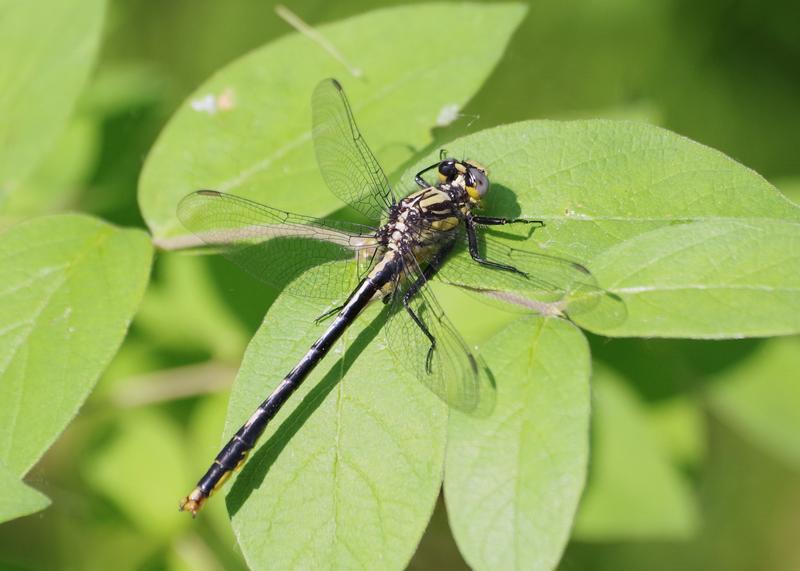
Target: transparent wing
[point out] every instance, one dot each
(451, 370)
(552, 285)
(348, 166)
(323, 259)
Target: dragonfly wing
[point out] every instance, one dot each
(322, 259)
(348, 166)
(552, 285)
(452, 371)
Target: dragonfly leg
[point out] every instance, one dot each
(328, 314)
(472, 237)
(418, 177)
(494, 221)
(429, 271)
(423, 328)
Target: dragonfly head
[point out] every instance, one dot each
(469, 175)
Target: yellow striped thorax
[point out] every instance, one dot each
(423, 222)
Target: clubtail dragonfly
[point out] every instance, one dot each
(393, 261)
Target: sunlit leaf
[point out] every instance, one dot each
(692, 242)
(46, 52)
(70, 286)
(348, 473)
(57, 180)
(17, 499)
(247, 129)
(513, 480)
(711, 279)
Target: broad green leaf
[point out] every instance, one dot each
(70, 287)
(347, 474)
(634, 491)
(46, 51)
(142, 468)
(17, 499)
(56, 182)
(711, 279)
(760, 397)
(513, 480)
(247, 129)
(462, 307)
(596, 183)
(666, 223)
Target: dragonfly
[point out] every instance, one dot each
(413, 238)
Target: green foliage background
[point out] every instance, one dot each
(693, 453)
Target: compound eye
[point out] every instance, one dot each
(479, 183)
(447, 170)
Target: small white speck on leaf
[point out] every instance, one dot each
(205, 104)
(211, 104)
(448, 114)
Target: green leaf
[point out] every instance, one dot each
(760, 397)
(247, 129)
(634, 491)
(70, 287)
(348, 473)
(46, 52)
(694, 243)
(142, 469)
(17, 499)
(597, 183)
(712, 279)
(513, 480)
(55, 183)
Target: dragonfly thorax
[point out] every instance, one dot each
(422, 220)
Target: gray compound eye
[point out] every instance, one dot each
(480, 180)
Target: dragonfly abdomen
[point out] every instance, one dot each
(235, 452)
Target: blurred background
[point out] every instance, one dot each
(704, 435)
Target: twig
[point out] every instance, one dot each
(294, 21)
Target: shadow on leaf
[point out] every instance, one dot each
(257, 468)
